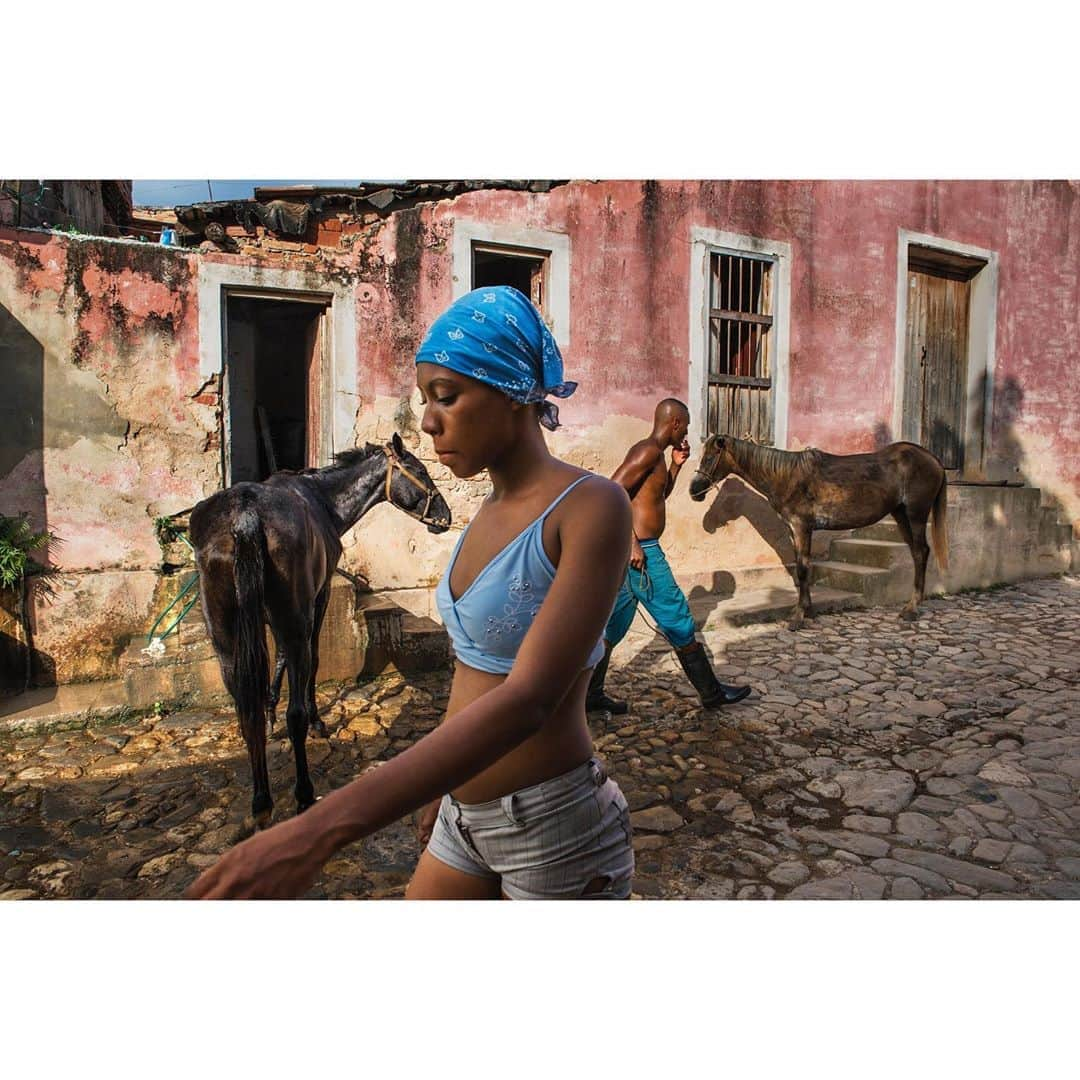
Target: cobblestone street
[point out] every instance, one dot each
(876, 759)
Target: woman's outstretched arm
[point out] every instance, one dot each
(284, 861)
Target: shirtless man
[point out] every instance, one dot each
(649, 480)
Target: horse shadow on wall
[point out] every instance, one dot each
(736, 499)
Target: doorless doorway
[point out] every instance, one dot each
(276, 371)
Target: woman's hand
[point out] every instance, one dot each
(281, 863)
(425, 821)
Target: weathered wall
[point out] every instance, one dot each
(108, 423)
(630, 320)
(106, 426)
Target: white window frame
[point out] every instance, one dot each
(704, 243)
(553, 246)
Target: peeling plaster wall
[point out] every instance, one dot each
(109, 421)
(630, 327)
(108, 425)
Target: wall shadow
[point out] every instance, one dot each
(22, 487)
(735, 499)
(882, 435)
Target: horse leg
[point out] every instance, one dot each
(298, 659)
(275, 684)
(321, 603)
(262, 803)
(920, 552)
(900, 517)
(801, 533)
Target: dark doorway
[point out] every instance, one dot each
(275, 374)
(522, 268)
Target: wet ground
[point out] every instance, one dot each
(876, 759)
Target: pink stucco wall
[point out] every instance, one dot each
(124, 316)
(629, 298)
(128, 428)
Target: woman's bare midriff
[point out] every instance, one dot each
(560, 745)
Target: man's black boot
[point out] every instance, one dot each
(596, 700)
(700, 673)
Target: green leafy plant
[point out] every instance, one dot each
(166, 530)
(17, 540)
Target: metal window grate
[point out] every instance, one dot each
(740, 368)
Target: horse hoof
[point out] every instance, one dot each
(318, 727)
(908, 615)
(263, 819)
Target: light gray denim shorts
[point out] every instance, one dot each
(545, 842)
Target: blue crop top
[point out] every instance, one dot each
(488, 622)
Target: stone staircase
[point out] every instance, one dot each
(997, 534)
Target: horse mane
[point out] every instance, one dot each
(348, 458)
(345, 459)
(772, 460)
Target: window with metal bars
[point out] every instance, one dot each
(740, 400)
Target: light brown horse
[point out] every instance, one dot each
(811, 490)
(266, 553)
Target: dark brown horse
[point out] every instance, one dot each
(811, 490)
(266, 553)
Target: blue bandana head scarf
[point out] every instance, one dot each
(495, 335)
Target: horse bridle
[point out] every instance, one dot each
(711, 479)
(394, 462)
(713, 482)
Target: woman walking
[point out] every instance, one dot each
(513, 801)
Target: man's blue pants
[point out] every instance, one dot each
(656, 588)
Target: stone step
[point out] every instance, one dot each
(882, 530)
(752, 606)
(884, 554)
(870, 582)
(54, 708)
(747, 607)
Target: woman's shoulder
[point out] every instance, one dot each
(593, 493)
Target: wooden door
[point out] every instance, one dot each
(316, 451)
(935, 391)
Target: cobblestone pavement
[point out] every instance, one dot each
(876, 759)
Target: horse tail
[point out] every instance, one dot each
(251, 664)
(939, 536)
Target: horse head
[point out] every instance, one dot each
(716, 464)
(410, 488)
